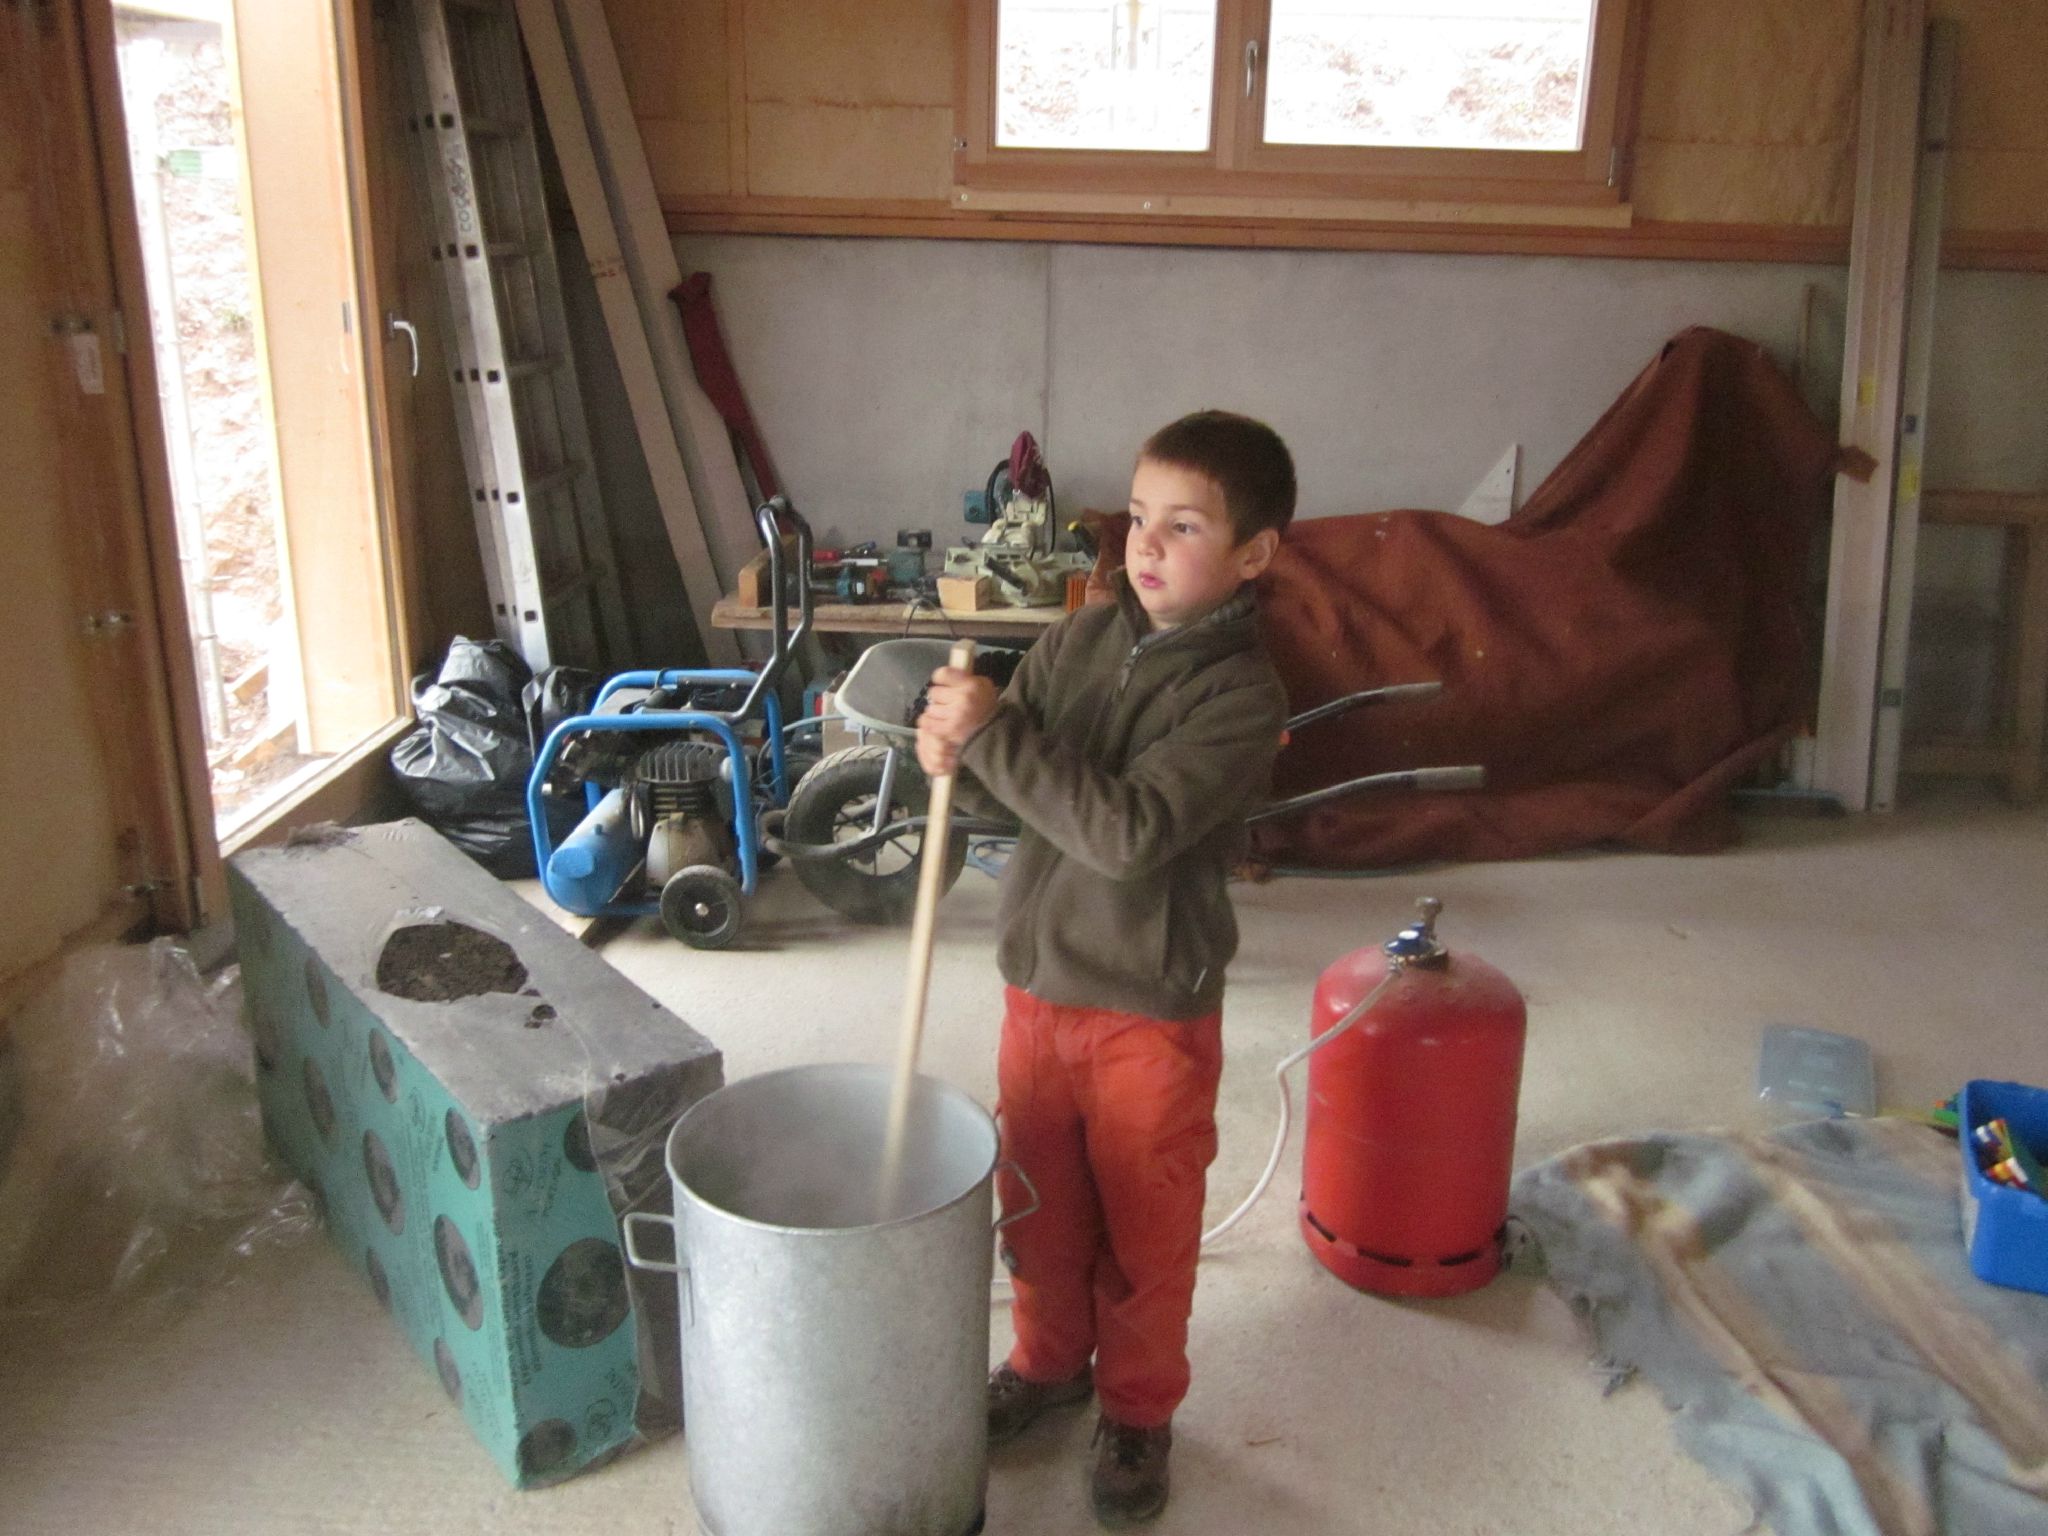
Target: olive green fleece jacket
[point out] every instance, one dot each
(1131, 757)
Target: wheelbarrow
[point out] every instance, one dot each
(855, 827)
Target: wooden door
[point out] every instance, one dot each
(97, 836)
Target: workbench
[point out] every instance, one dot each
(1018, 626)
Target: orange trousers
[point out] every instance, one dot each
(1112, 1118)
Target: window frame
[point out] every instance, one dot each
(1240, 172)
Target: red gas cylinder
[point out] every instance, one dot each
(1411, 1117)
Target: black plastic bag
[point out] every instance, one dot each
(464, 769)
(553, 696)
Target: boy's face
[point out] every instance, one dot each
(1183, 556)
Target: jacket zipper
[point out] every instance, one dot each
(1144, 643)
(1123, 675)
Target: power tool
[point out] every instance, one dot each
(1020, 553)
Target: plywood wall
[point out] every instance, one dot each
(1748, 110)
(1999, 147)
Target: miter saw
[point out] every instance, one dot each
(1020, 553)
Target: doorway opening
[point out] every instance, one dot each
(240, 168)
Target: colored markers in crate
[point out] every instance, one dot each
(2007, 1160)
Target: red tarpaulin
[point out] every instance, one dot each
(1621, 652)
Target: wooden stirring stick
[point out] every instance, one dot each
(931, 876)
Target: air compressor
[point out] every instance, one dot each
(1410, 1137)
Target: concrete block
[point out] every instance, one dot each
(476, 1099)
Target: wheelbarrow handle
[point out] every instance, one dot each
(1469, 777)
(1393, 693)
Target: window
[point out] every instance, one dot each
(1104, 74)
(1308, 108)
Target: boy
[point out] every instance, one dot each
(1130, 744)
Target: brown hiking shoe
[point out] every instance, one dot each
(1014, 1402)
(1129, 1486)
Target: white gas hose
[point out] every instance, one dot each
(1288, 1064)
(1003, 1291)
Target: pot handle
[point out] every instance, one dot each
(630, 1222)
(1029, 1188)
(628, 1225)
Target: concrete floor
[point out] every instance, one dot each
(284, 1402)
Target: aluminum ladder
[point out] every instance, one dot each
(549, 556)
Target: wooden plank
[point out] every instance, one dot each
(1937, 100)
(574, 152)
(1645, 240)
(723, 506)
(1894, 45)
(930, 220)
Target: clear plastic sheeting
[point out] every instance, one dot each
(132, 1159)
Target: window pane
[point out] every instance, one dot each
(1104, 74)
(1431, 74)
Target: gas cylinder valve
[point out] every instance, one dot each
(1417, 944)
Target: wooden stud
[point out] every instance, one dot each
(1937, 97)
(1880, 240)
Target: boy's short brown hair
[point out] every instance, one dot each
(1246, 459)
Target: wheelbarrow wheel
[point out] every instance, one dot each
(835, 803)
(701, 906)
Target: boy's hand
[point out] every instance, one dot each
(956, 706)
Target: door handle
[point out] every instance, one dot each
(395, 326)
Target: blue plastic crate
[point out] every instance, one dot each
(2005, 1231)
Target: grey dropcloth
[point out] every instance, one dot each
(1803, 1304)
